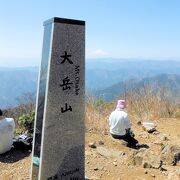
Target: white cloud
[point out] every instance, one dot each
(100, 52)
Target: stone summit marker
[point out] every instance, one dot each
(60, 112)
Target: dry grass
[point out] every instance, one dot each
(143, 104)
(97, 113)
(147, 104)
(26, 104)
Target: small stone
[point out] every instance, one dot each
(153, 175)
(114, 163)
(146, 165)
(92, 145)
(101, 143)
(145, 172)
(96, 168)
(156, 132)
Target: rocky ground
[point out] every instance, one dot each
(107, 158)
(111, 159)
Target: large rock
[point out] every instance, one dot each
(103, 151)
(151, 161)
(135, 160)
(171, 154)
(147, 159)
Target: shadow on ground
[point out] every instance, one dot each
(14, 155)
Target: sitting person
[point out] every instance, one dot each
(7, 127)
(120, 127)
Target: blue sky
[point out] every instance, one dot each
(147, 29)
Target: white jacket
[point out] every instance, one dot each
(7, 127)
(119, 122)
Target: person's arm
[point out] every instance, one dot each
(128, 124)
(109, 120)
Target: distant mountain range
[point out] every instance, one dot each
(15, 82)
(103, 76)
(103, 73)
(168, 82)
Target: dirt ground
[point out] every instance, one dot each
(109, 160)
(103, 163)
(15, 165)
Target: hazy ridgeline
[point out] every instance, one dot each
(151, 89)
(105, 77)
